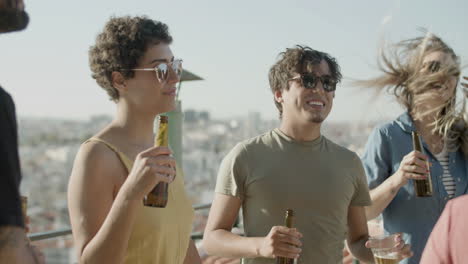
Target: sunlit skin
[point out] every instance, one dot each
(108, 192)
(145, 92)
(305, 109)
(413, 166)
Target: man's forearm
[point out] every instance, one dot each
(359, 250)
(14, 247)
(224, 243)
(192, 256)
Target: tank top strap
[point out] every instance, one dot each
(125, 160)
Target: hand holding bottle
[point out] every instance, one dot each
(281, 241)
(151, 166)
(412, 167)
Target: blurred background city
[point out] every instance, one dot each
(48, 148)
(231, 45)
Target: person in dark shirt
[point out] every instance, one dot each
(14, 245)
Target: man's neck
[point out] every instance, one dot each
(300, 132)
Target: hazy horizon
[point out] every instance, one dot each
(229, 44)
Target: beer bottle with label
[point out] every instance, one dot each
(288, 222)
(422, 188)
(159, 195)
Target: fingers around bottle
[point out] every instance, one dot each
(289, 239)
(163, 173)
(288, 249)
(163, 169)
(415, 169)
(156, 151)
(284, 254)
(161, 177)
(417, 154)
(286, 230)
(164, 160)
(415, 176)
(416, 162)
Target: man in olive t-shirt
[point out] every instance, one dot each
(318, 179)
(292, 167)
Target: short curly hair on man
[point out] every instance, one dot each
(121, 45)
(298, 60)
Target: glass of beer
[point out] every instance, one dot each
(383, 249)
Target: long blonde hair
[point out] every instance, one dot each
(402, 76)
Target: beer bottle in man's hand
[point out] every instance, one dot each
(288, 222)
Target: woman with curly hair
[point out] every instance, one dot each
(423, 73)
(132, 61)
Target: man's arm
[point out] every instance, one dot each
(192, 256)
(15, 248)
(358, 238)
(358, 234)
(218, 239)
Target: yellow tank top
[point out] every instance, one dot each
(160, 235)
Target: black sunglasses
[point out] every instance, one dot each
(309, 81)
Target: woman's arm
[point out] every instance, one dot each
(101, 224)
(378, 162)
(413, 166)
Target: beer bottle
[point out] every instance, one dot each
(24, 206)
(159, 195)
(422, 188)
(288, 222)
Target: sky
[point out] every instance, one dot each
(231, 44)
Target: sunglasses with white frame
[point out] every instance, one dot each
(162, 69)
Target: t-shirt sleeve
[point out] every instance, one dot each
(376, 158)
(361, 195)
(10, 175)
(437, 250)
(233, 173)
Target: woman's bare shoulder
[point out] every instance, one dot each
(97, 163)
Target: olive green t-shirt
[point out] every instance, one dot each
(318, 179)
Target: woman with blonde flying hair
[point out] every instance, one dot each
(423, 73)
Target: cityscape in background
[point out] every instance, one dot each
(48, 148)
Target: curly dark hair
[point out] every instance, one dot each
(298, 60)
(121, 45)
